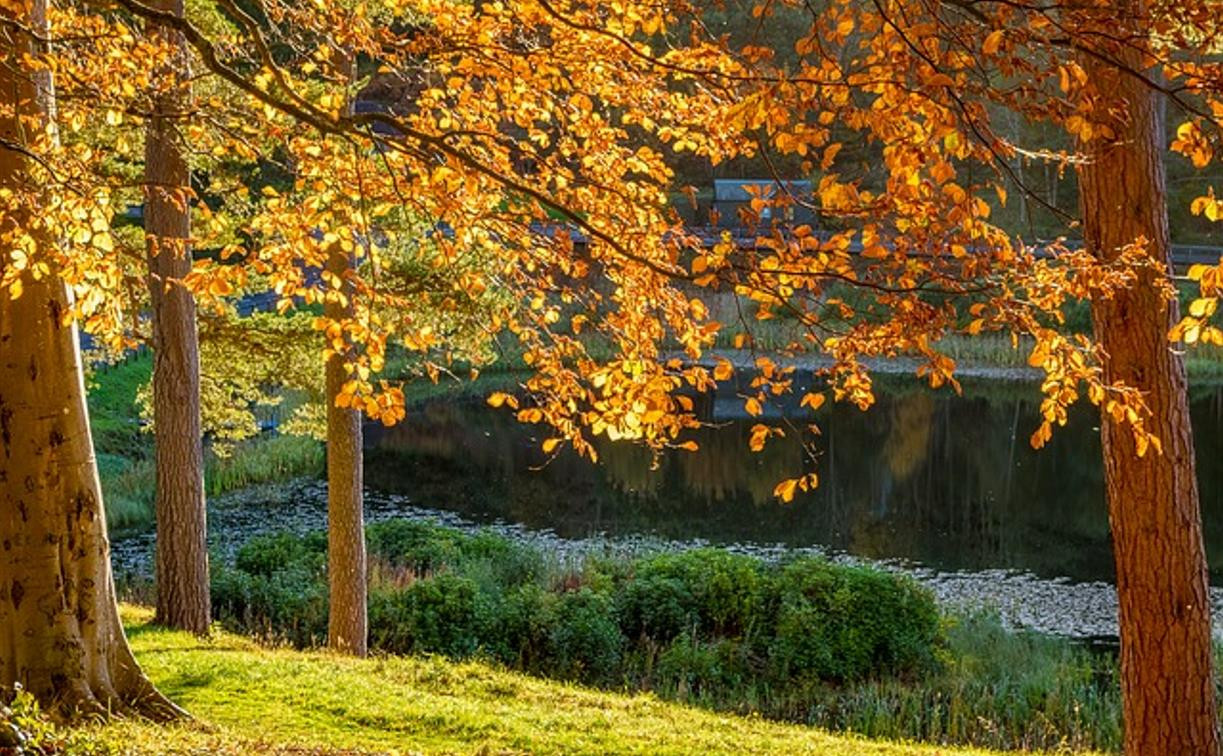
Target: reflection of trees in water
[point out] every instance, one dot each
(908, 443)
(724, 470)
(944, 480)
(634, 470)
(455, 431)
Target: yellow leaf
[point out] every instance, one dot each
(1192, 333)
(498, 398)
(219, 287)
(550, 444)
(759, 434)
(1042, 435)
(103, 242)
(1203, 308)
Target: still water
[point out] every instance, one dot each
(948, 482)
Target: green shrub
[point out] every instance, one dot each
(277, 588)
(706, 669)
(502, 561)
(268, 554)
(420, 546)
(492, 560)
(516, 633)
(289, 604)
(718, 592)
(658, 608)
(441, 614)
(584, 639)
(843, 623)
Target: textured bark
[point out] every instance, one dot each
(60, 635)
(1162, 581)
(347, 622)
(182, 553)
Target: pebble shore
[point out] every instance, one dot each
(1050, 605)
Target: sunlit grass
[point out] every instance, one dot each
(251, 699)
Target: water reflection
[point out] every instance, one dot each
(946, 481)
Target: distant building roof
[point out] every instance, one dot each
(736, 190)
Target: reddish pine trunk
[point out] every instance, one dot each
(60, 635)
(346, 628)
(182, 555)
(1162, 581)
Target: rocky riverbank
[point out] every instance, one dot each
(1023, 600)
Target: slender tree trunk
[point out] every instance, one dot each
(347, 625)
(1162, 582)
(182, 553)
(346, 628)
(60, 635)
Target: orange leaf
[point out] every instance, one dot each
(785, 490)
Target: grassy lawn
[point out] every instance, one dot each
(252, 699)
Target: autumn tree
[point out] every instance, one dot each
(1156, 522)
(935, 86)
(530, 142)
(501, 133)
(59, 623)
(504, 172)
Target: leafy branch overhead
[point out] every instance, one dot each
(509, 166)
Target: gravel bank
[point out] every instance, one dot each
(1023, 600)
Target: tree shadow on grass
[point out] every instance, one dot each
(185, 682)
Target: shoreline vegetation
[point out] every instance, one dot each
(982, 686)
(837, 647)
(251, 698)
(125, 450)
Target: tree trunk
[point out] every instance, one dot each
(60, 635)
(346, 627)
(1162, 581)
(182, 553)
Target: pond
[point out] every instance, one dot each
(948, 482)
(943, 488)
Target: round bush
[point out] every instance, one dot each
(842, 623)
(440, 614)
(692, 667)
(658, 608)
(711, 590)
(289, 604)
(421, 546)
(584, 640)
(268, 554)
